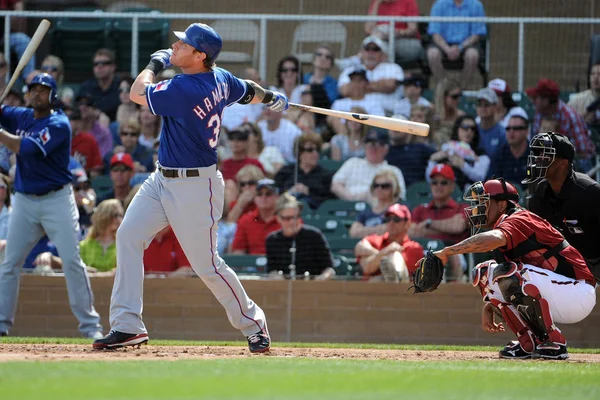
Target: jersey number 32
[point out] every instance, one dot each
(214, 123)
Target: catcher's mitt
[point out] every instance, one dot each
(429, 274)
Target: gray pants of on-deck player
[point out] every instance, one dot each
(57, 215)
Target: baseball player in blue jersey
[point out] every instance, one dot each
(186, 191)
(44, 202)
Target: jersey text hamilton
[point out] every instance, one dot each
(220, 93)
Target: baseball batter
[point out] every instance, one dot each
(186, 191)
(44, 202)
(539, 278)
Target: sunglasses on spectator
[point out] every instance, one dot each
(308, 149)
(372, 48)
(321, 54)
(381, 185)
(516, 128)
(106, 62)
(394, 218)
(288, 217)
(128, 133)
(288, 70)
(467, 127)
(120, 168)
(50, 68)
(267, 194)
(442, 182)
(455, 96)
(247, 183)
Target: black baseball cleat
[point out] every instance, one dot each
(259, 342)
(550, 351)
(514, 351)
(116, 339)
(2, 333)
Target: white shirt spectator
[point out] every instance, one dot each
(236, 114)
(269, 156)
(384, 70)
(403, 106)
(282, 138)
(370, 105)
(357, 174)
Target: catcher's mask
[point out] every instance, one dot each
(541, 155)
(479, 195)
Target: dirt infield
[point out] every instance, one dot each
(56, 352)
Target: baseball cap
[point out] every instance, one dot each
(488, 95)
(499, 86)
(444, 170)
(358, 71)
(415, 80)
(375, 40)
(238, 135)
(377, 136)
(122, 158)
(518, 112)
(544, 88)
(563, 146)
(267, 183)
(399, 210)
(203, 38)
(85, 99)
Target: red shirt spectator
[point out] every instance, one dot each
(252, 232)
(451, 208)
(164, 253)
(405, 8)
(412, 251)
(230, 167)
(238, 143)
(84, 149)
(249, 208)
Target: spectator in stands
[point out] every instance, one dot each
(350, 143)
(226, 230)
(510, 162)
(84, 147)
(442, 218)
(392, 255)
(236, 114)
(150, 125)
(455, 40)
(353, 180)
(463, 153)
(54, 66)
(14, 98)
(356, 96)
(506, 107)
(95, 122)
(238, 144)
(385, 191)
(545, 97)
(279, 132)
(129, 133)
(408, 154)
(3, 71)
(289, 78)
(312, 254)
(582, 101)
(43, 258)
(18, 38)
(127, 109)
(122, 170)
(322, 63)
(104, 86)
(99, 249)
(253, 228)
(491, 133)
(447, 98)
(313, 95)
(246, 180)
(164, 255)
(383, 77)
(406, 34)
(413, 89)
(548, 124)
(269, 156)
(85, 195)
(4, 213)
(308, 181)
(424, 115)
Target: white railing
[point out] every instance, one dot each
(264, 18)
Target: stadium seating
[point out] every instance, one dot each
(330, 226)
(343, 210)
(331, 165)
(312, 33)
(245, 31)
(427, 243)
(342, 245)
(246, 264)
(102, 184)
(345, 267)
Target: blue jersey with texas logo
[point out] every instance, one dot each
(191, 107)
(43, 159)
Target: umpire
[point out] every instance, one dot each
(567, 199)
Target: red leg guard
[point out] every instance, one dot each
(545, 318)
(517, 325)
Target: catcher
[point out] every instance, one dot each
(537, 279)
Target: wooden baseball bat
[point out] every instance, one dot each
(413, 128)
(29, 52)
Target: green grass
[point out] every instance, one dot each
(262, 378)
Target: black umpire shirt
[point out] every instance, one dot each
(312, 252)
(575, 212)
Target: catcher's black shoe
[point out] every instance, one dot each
(259, 342)
(2, 333)
(116, 339)
(550, 351)
(514, 351)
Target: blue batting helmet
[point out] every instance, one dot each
(47, 80)
(203, 38)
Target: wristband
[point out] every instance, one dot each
(268, 97)
(155, 66)
(460, 47)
